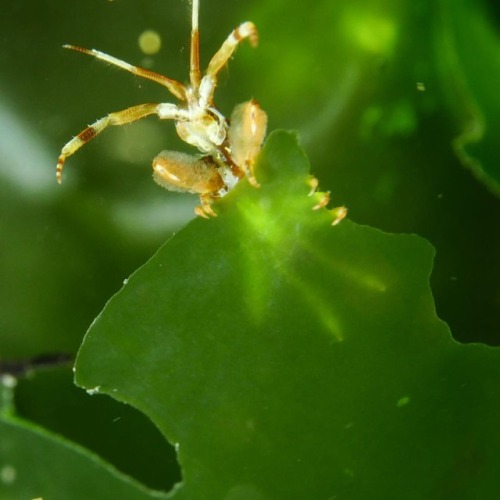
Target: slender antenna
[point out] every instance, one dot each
(194, 73)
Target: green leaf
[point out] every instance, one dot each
(36, 464)
(116, 432)
(289, 359)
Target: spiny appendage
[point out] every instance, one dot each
(338, 213)
(205, 210)
(313, 183)
(249, 169)
(246, 167)
(77, 142)
(323, 198)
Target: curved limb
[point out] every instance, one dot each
(221, 57)
(205, 210)
(118, 118)
(175, 87)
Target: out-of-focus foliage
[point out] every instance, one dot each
(470, 67)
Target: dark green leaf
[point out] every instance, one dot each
(37, 464)
(116, 432)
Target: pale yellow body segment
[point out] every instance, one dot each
(246, 135)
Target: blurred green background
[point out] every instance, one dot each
(379, 91)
